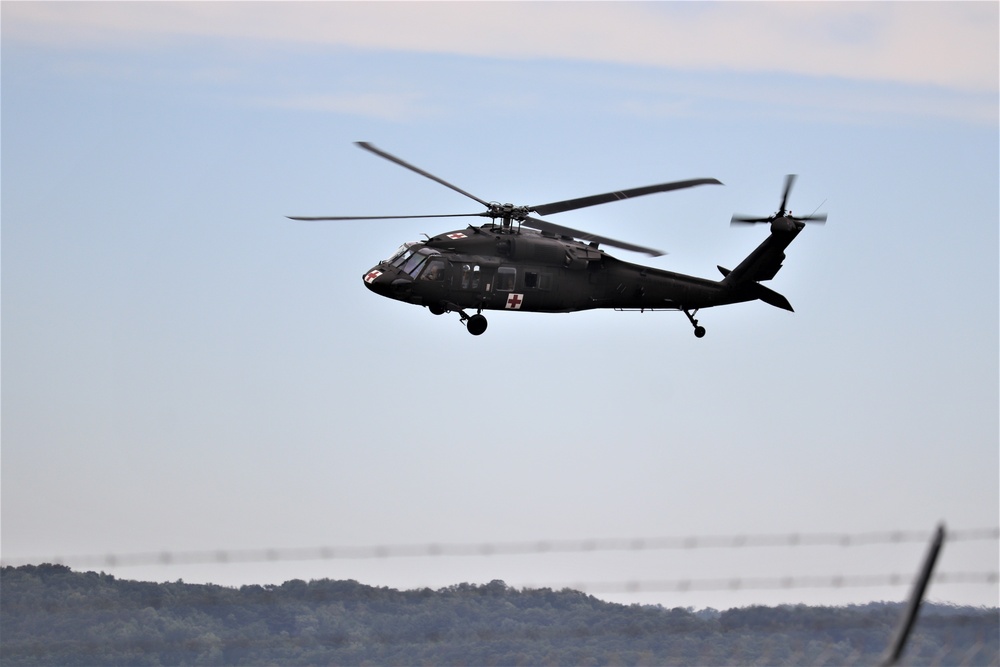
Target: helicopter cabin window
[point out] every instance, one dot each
(535, 280)
(506, 276)
(434, 270)
(470, 276)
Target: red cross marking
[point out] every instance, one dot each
(372, 275)
(514, 301)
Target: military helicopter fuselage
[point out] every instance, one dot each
(493, 268)
(523, 263)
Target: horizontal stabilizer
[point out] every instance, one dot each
(770, 297)
(724, 271)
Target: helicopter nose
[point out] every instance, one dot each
(373, 283)
(386, 284)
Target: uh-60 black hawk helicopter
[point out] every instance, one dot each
(520, 262)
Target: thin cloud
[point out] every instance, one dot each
(387, 106)
(808, 99)
(954, 45)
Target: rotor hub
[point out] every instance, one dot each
(507, 211)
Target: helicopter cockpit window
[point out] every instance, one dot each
(413, 263)
(416, 260)
(401, 256)
(434, 270)
(403, 253)
(506, 276)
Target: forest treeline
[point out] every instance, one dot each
(51, 615)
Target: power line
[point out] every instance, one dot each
(486, 549)
(775, 583)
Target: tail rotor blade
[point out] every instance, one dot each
(789, 182)
(782, 212)
(746, 220)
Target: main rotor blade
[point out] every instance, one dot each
(544, 226)
(392, 158)
(593, 200)
(385, 217)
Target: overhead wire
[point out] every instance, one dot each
(592, 545)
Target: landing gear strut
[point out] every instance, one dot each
(474, 324)
(699, 331)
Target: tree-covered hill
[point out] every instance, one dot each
(51, 615)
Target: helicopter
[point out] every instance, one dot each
(519, 262)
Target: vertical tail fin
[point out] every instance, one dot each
(763, 264)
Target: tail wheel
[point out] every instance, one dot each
(699, 331)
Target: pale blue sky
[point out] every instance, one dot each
(184, 369)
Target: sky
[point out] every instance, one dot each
(196, 387)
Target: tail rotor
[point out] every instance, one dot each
(783, 212)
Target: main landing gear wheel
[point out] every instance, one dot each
(699, 332)
(476, 324)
